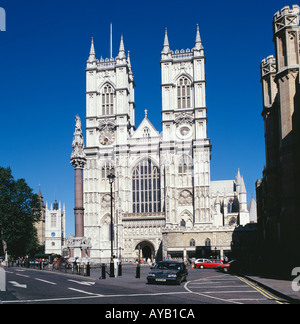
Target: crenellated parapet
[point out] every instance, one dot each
(287, 17)
(268, 70)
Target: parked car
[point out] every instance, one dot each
(212, 264)
(199, 261)
(226, 267)
(168, 271)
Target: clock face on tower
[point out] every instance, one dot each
(107, 137)
(184, 132)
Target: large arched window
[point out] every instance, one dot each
(183, 93)
(146, 188)
(107, 100)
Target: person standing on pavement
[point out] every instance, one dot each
(116, 263)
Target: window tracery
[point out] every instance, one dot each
(146, 188)
(183, 93)
(107, 100)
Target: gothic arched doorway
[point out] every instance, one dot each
(146, 250)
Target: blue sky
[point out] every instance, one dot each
(43, 55)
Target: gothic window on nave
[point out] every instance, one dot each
(183, 93)
(233, 206)
(146, 188)
(107, 95)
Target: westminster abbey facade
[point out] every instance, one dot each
(164, 203)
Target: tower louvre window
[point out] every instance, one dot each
(183, 93)
(107, 100)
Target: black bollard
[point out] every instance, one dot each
(103, 274)
(88, 270)
(120, 269)
(138, 271)
(112, 269)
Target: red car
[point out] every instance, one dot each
(212, 264)
(225, 267)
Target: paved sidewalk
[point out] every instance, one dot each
(279, 287)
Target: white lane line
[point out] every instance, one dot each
(21, 275)
(89, 297)
(85, 283)
(85, 292)
(208, 296)
(46, 281)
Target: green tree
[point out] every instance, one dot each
(20, 209)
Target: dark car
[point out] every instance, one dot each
(168, 271)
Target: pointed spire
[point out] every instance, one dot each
(129, 64)
(198, 42)
(243, 187)
(121, 49)
(92, 56)
(40, 192)
(128, 59)
(238, 177)
(198, 38)
(166, 48)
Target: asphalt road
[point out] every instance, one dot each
(205, 286)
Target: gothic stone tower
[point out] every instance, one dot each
(277, 191)
(185, 144)
(109, 125)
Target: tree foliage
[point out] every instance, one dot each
(20, 209)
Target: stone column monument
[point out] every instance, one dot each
(78, 245)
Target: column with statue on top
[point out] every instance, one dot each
(79, 245)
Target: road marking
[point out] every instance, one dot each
(49, 282)
(86, 292)
(208, 296)
(21, 275)
(85, 283)
(230, 292)
(91, 296)
(16, 284)
(248, 299)
(262, 291)
(200, 286)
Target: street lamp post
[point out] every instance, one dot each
(111, 178)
